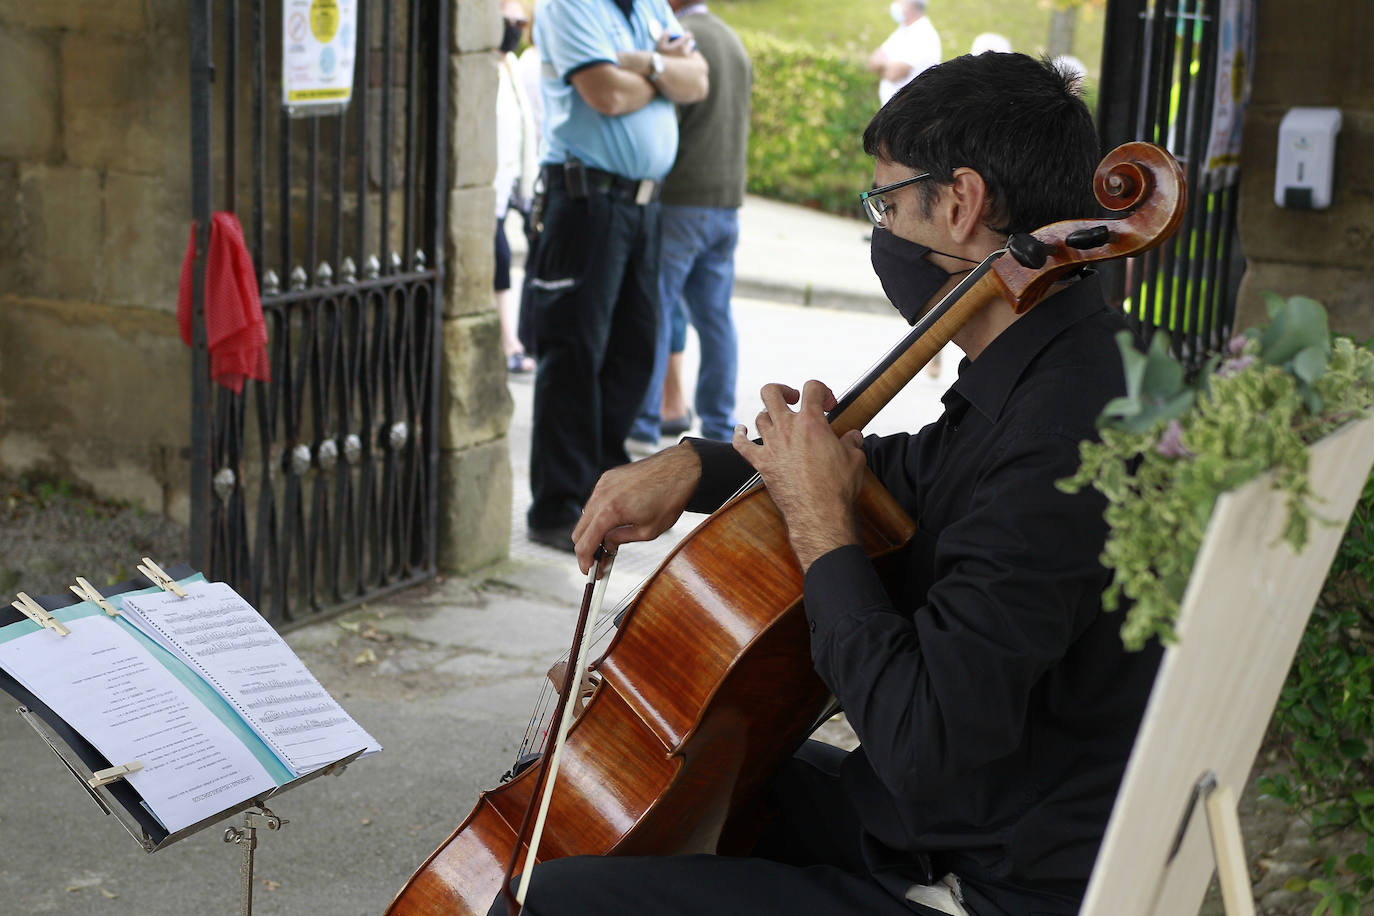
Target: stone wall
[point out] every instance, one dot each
(94, 176)
(1311, 54)
(95, 185)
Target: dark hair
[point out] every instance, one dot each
(1018, 122)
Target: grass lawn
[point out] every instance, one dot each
(856, 27)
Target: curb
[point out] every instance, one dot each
(806, 294)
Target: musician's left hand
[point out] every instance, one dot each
(812, 476)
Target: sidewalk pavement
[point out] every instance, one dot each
(445, 674)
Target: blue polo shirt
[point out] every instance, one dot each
(574, 34)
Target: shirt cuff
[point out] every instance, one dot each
(837, 585)
(723, 472)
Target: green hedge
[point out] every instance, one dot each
(810, 108)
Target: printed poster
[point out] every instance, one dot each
(1235, 63)
(318, 46)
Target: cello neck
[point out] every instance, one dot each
(861, 403)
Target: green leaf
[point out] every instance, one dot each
(1296, 327)
(1273, 303)
(1310, 364)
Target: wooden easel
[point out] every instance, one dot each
(1243, 614)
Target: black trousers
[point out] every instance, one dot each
(594, 304)
(808, 863)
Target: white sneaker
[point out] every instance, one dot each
(640, 448)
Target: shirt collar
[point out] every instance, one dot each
(987, 382)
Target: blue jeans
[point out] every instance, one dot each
(697, 267)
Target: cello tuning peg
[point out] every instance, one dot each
(1095, 237)
(1028, 250)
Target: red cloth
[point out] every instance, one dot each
(234, 327)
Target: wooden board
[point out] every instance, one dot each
(1244, 611)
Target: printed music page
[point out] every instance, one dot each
(246, 660)
(111, 690)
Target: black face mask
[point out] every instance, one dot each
(510, 38)
(908, 278)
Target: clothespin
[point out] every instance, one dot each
(160, 578)
(105, 777)
(39, 615)
(86, 592)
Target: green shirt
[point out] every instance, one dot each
(713, 134)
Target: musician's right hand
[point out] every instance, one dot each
(637, 501)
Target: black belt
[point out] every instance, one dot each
(597, 181)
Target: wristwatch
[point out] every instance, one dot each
(655, 66)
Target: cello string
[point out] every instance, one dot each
(536, 730)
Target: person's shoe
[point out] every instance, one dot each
(559, 537)
(677, 425)
(640, 448)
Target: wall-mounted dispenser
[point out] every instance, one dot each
(1307, 157)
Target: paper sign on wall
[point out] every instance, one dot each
(318, 47)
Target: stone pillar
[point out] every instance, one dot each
(475, 470)
(1312, 54)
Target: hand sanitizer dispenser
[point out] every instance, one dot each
(1307, 157)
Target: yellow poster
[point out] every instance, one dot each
(318, 51)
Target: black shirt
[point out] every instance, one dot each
(992, 697)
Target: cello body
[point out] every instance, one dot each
(675, 743)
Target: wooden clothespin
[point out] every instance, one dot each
(105, 777)
(86, 592)
(39, 615)
(159, 578)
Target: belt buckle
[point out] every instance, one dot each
(645, 192)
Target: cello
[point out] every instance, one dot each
(706, 686)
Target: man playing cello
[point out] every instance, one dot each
(993, 700)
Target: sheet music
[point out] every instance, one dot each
(109, 689)
(247, 661)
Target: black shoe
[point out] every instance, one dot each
(677, 425)
(559, 537)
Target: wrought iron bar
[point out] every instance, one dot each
(259, 152)
(231, 106)
(201, 449)
(384, 240)
(412, 125)
(312, 193)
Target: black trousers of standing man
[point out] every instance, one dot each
(594, 291)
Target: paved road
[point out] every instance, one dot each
(444, 675)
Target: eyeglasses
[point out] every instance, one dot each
(874, 205)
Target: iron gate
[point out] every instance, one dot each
(1159, 71)
(319, 489)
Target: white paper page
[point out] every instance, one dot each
(248, 662)
(110, 690)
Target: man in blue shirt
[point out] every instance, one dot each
(612, 70)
